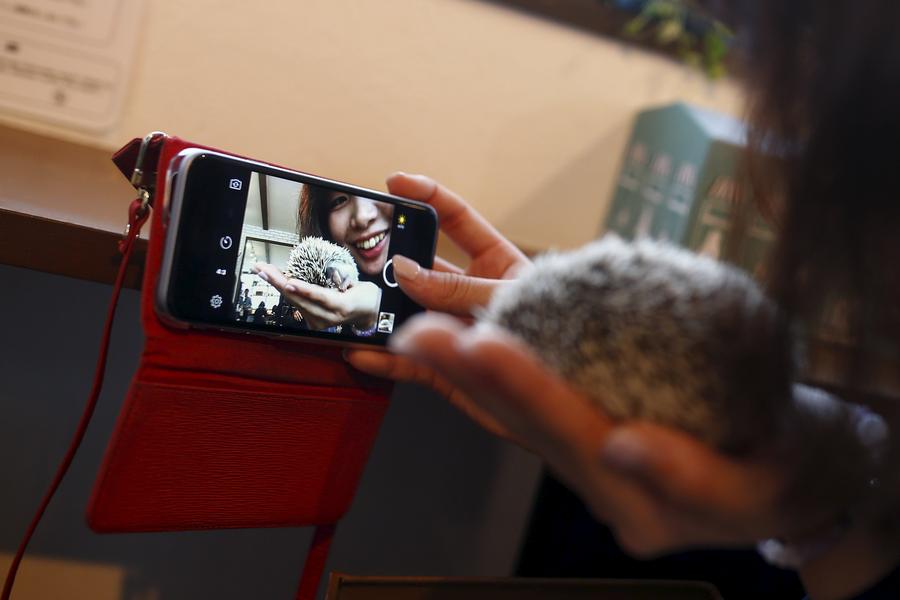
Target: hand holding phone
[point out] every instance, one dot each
(447, 288)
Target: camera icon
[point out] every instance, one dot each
(235, 184)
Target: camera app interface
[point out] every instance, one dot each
(298, 257)
(331, 246)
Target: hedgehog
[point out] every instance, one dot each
(649, 331)
(320, 262)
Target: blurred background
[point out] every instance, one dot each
(526, 116)
(511, 110)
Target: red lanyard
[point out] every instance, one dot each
(317, 556)
(137, 216)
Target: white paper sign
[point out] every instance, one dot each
(67, 62)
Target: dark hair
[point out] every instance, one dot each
(312, 217)
(823, 87)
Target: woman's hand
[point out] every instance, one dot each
(659, 489)
(323, 307)
(650, 483)
(447, 287)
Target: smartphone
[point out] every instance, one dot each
(226, 215)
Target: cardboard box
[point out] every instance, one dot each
(678, 183)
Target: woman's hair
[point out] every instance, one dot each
(312, 217)
(823, 106)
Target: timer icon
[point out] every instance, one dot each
(215, 301)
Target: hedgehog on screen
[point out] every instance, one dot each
(320, 262)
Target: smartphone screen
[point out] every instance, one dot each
(230, 215)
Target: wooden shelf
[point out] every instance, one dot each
(66, 249)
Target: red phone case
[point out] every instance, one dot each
(228, 430)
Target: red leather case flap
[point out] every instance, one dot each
(228, 430)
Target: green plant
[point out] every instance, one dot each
(677, 25)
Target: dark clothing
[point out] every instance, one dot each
(245, 307)
(260, 315)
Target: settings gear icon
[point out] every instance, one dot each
(215, 301)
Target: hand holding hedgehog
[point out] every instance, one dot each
(321, 279)
(681, 371)
(650, 332)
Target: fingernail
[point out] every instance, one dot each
(263, 275)
(394, 174)
(423, 179)
(624, 452)
(406, 268)
(290, 288)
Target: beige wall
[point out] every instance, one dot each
(524, 117)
